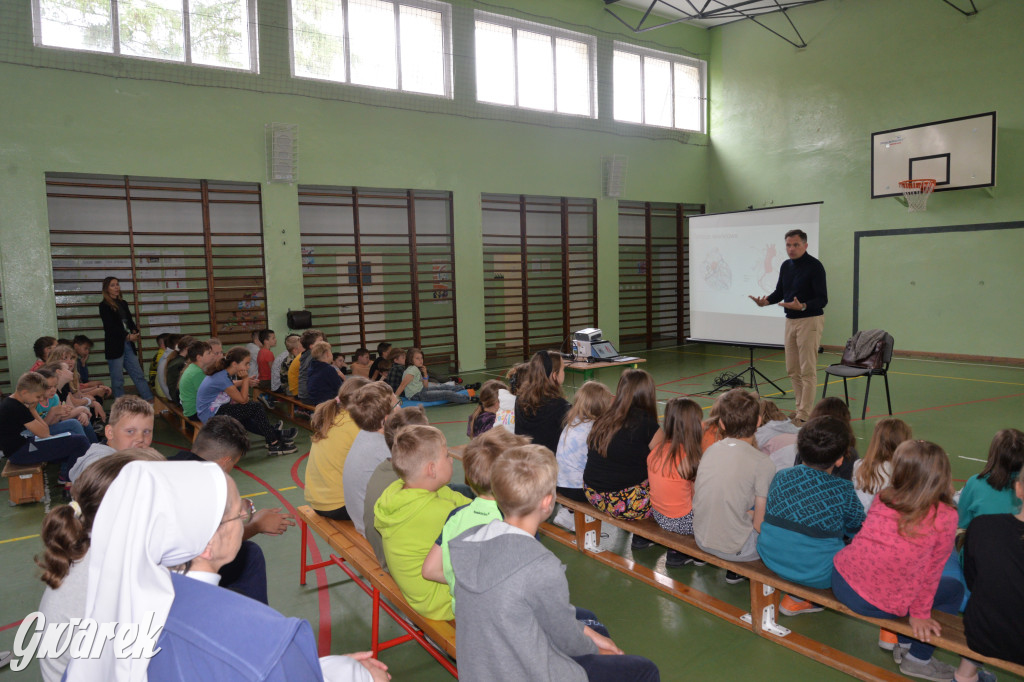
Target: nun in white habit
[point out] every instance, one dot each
(159, 515)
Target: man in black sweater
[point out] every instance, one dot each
(801, 290)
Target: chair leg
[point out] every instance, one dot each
(846, 392)
(867, 392)
(824, 389)
(887, 399)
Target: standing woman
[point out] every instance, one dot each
(119, 336)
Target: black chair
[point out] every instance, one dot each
(847, 371)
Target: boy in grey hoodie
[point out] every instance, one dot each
(512, 597)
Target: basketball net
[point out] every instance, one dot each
(916, 192)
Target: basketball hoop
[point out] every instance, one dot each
(916, 193)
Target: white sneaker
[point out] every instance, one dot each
(566, 519)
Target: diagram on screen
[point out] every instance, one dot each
(717, 273)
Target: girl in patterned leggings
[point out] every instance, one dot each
(615, 477)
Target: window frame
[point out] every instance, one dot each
(553, 32)
(673, 59)
(446, 47)
(252, 26)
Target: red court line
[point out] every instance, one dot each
(942, 407)
(323, 595)
(12, 625)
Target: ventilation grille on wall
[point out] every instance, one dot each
(282, 152)
(614, 176)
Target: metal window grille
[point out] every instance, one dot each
(188, 254)
(653, 289)
(540, 273)
(379, 265)
(6, 381)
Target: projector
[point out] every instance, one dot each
(583, 340)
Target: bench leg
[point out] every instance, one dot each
(763, 605)
(588, 533)
(375, 624)
(302, 552)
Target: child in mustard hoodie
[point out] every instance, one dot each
(410, 513)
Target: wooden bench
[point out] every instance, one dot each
(765, 586)
(354, 555)
(292, 403)
(176, 418)
(25, 483)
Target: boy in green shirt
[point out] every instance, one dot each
(477, 461)
(411, 512)
(200, 355)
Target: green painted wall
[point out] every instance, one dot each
(791, 126)
(81, 113)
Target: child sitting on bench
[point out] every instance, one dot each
(18, 414)
(672, 467)
(477, 461)
(515, 619)
(411, 513)
(733, 478)
(810, 512)
(893, 567)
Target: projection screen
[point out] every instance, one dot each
(736, 255)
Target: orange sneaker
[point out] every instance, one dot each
(887, 639)
(794, 607)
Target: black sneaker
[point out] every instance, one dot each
(676, 559)
(289, 433)
(281, 447)
(640, 543)
(733, 578)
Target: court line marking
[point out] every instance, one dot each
(24, 537)
(939, 376)
(973, 459)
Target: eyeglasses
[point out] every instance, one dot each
(248, 509)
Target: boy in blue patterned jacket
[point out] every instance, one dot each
(809, 512)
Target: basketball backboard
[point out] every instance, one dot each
(957, 153)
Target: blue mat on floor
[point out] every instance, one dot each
(427, 403)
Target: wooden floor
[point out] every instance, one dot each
(958, 405)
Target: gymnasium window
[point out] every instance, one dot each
(378, 265)
(378, 43)
(658, 88)
(653, 290)
(532, 66)
(540, 273)
(6, 387)
(218, 33)
(188, 253)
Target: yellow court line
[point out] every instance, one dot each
(25, 537)
(938, 376)
(255, 494)
(291, 487)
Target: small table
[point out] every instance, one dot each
(587, 368)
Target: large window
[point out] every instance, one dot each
(189, 254)
(540, 273)
(379, 43)
(205, 32)
(653, 290)
(533, 66)
(658, 88)
(377, 265)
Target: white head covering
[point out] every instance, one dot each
(154, 515)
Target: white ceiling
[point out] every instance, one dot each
(715, 12)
